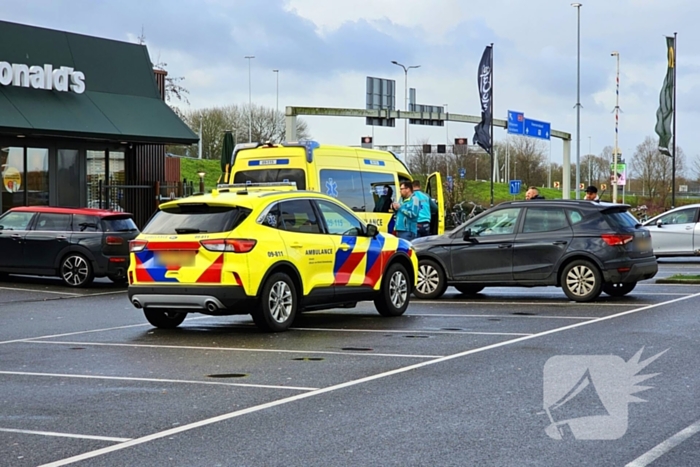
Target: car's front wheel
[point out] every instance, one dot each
(431, 280)
(581, 281)
(394, 292)
(278, 304)
(164, 319)
(76, 270)
(618, 289)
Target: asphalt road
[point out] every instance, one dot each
(489, 380)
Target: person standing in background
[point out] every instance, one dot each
(423, 221)
(407, 213)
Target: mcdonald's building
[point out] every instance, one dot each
(83, 122)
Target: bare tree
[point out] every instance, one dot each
(267, 125)
(527, 156)
(654, 169)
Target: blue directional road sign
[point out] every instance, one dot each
(516, 123)
(462, 172)
(515, 187)
(537, 129)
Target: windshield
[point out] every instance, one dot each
(195, 218)
(272, 175)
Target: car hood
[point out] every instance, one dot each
(424, 242)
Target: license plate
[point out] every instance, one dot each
(644, 244)
(176, 258)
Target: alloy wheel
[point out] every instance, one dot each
(581, 280)
(428, 279)
(398, 289)
(280, 301)
(75, 270)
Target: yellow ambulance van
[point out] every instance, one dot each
(365, 180)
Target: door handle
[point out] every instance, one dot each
(296, 245)
(689, 228)
(560, 242)
(505, 245)
(345, 246)
(16, 236)
(61, 237)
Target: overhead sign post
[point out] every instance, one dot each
(516, 123)
(537, 129)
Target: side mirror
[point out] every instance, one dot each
(2, 227)
(659, 223)
(466, 235)
(372, 230)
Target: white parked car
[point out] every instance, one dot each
(676, 232)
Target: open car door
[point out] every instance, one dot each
(434, 190)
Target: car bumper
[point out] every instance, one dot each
(221, 300)
(637, 272)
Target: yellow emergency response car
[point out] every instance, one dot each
(365, 180)
(265, 251)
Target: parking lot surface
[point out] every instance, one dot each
(455, 381)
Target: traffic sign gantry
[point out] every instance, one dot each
(516, 123)
(537, 129)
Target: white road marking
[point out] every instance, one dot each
(66, 435)
(76, 333)
(664, 447)
(542, 303)
(233, 349)
(347, 384)
(19, 289)
(153, 380)
(412, 331)
(443, 315)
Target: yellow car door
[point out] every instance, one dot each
(434, 190)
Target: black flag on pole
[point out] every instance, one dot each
(482, 132)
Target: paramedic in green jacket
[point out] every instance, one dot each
(424, 211)
(407, 213)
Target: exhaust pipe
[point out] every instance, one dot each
(212, 307)
(137, 304)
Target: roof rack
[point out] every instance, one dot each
(257, 186)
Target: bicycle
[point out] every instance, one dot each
(460, 216)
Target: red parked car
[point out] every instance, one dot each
(75, 244)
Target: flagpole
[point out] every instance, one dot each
(492, 110)
(673, 161)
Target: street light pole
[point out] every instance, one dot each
(250, 101)
(578, 99)
(616, 150)
(277, 98)
(405, 94)
(590, 156)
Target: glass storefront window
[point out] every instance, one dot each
(12, 171)
(37, 177)
(68, 172)
(96, 171)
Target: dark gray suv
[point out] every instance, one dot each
(583, 247)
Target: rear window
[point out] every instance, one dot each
(195, 218)
(621, 219)
(119, 224)
(272, 175)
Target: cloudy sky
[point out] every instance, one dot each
(324, 49)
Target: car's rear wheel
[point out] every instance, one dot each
(467, 289)
(278, 304)
(76, 271)
(618, 289)
(581, 281)
(165, 319)
(394, 292)
(431, 280)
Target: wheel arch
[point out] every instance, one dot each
(289, 269)
(574, 257)
(74, 249)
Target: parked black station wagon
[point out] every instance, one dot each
(583, 247)
(76, 245)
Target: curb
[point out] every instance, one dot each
(677, 281)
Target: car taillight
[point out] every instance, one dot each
(137, 245)
(617, 239)
(111, 240)
(229, 245)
